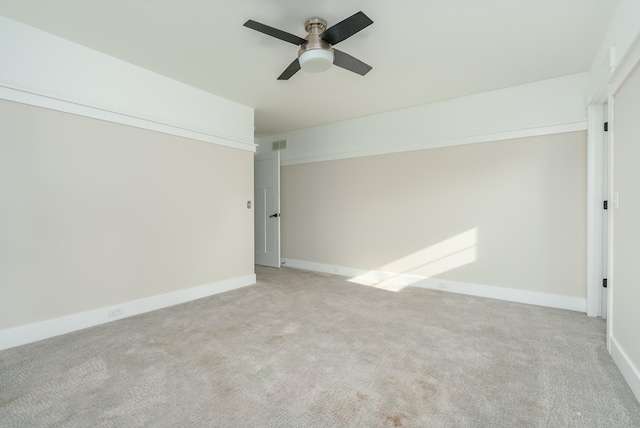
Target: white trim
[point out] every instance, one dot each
(98, 85)
(480, 290)
(630, 373)
(611, 221)
(595, 145)
(623, 70)
(23, 96)
(599, 81)
(67, 324)
(580, 125)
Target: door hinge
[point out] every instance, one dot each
(606, 204)
(604, 282)
(606, 126)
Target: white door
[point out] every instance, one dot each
(267, 209)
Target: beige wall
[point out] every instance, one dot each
(95, 213)
(509, 214)
(625, 316)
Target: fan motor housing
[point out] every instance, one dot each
(315, 27)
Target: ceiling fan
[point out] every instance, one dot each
(316, 53)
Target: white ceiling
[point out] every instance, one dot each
(421, 50)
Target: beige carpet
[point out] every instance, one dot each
(302, 349)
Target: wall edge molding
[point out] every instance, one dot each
(23, 96)
(630, 373)
(34, 332)
(580, 125)
(625, 67)
(479, 290)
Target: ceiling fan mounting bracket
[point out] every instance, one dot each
(315, 25)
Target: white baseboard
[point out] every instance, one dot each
(12, 337)
(629, 371)
(395, 282)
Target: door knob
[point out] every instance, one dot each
(275, 215)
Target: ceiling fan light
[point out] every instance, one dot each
(316, 60)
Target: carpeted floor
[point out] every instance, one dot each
(302, 349)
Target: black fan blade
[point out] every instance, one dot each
(293, 68)
(347, 28)
(350, 63)
(274, 32)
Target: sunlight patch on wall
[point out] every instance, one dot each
(447, 255)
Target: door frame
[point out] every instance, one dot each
(595, 211)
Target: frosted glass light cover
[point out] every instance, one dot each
(316, 60)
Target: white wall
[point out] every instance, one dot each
(41, 69)
(96, 214)
(123, 191)
(504, 218)
(332, 221)
(541, 108)
(625, 271)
